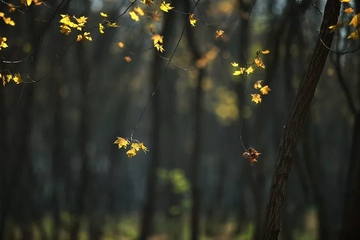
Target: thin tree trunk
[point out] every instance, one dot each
(296, 121)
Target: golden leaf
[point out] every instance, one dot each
(348, 10)
(103, 14)
(165, 7)
(101, 28)
(139, 11)
(265, 90)
(132, 152)
(122, 142)
(267, 51)
(121, 44)
(127, 59)
(192, 20)
(134, 16)
(219, 33)
(157, 38)
(354, 35)
(249, 70)
(355, 20)
(257, 84)
(234, 64)
(259, 62)
(256, 98)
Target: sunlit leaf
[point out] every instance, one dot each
(344, 1)
(257, 84)
(355, 20)
(234, 64)
(134, 16)
(101, 28)
(267, 51)
(192, 20)
(132, 152)
(103, 14)
(157, 38)
(127, 59)
(259, 62)
(122, 142)
(165, 7)
(17, 78)
(121, 44)
(354, 35)
(219, 33)
(256, 98)
(249, 70)
(265, 90)
(139, 11)
(348, 10)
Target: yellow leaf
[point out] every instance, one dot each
(65, 29)
(134, 16)
(267, 51)
(122, 142)
(148, 2)
(9, 77)
(256, 98)
(127, 59)
(79, 38)
(348, 10)
(101, 28)
(355, 20)
(354, 35)
(11, 8)
(17, 78)
(165, 7)
(3, 42)
(333, 28)
(159, 47)
(121, 44)
(344, 1)
(142, 147)
(219, 33)
(132, 152)
(139, 11)
(103, 14)
(259, 63)
(28, 2)
(112, 24)
(87, 36)
(265, 90)
(249, 70)
(239, 72)
(9, 21)
(192, 20)
(234, 64)
(157, 38)
(258, 85)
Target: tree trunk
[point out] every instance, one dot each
(296, 120)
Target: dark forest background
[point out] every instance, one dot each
(63, 178)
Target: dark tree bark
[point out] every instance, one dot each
(295, 122)
(196, 151)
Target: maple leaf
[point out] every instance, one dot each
(252, 155)
(122, 142)
(17, 78)
(139, 11)
(239, 72)
(259, 62)
(121, 44)
(101, 28)
(192, 20)
(355, 20)
(3, 42)
(132, 152)
(79, 38)
(249, 70)
(28, 2)
(65, 29)
(265, 90)
(112, 24)
(12, 8)
(348, 10)
(159, 47)
(219, 33)
(134, 16)
(143, 147)
(256, 98)
(257, 84)
(8, 21)
(103, 14)
(157, 38)
(165, 7)
(267, 51)
(234, 64)
(87, 36)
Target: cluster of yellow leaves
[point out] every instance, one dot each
(137, 11)
(264, 90)
(29, 2)
(135, 146)
(106, 23)
(192, 20)
(158, 42)
(79, 23)
(165, 7)
(354, 22)
(9, 77)
(250, 69)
